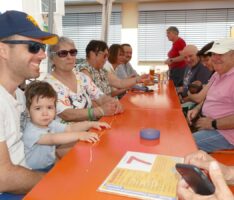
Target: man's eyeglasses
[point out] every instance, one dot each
(33, 47)
(64, 53)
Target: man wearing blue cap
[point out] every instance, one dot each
(22, 48)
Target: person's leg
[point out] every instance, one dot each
(211, 140)
(172, 77)
(177, 75)
(8, 196)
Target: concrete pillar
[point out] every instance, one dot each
(129, 29)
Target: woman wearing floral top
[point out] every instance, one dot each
(96, 55)
(76, 91)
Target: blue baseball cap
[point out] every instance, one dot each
(19, 23)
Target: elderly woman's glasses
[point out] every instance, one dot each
(105, 55)
(64, 53)
(33, 47)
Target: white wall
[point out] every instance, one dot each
(10, 5)
(129, 28)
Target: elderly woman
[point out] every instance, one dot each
(96, 55)
(76, 91)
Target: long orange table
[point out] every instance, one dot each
(165, 98)
(86, 166)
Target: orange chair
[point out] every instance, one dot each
(226, 157)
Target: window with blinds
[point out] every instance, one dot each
(83, 27)
(196, 27)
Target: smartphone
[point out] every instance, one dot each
(196, 179)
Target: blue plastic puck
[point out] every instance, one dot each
(149, 133)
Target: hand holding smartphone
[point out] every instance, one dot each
(196, 179)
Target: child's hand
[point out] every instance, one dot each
(88, 137)
(99, 125)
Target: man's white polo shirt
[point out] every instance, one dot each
(10, 111)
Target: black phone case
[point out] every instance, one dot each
(196, 179)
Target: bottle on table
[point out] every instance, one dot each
(158, 74)
(151, 72)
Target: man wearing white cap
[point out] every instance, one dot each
(217, 127)
(22, 48)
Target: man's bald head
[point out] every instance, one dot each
(190, 55)
(189, 49)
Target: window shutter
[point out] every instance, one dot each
(196, 27)
(83, 27)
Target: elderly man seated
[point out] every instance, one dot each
(216, 126)
(205, 56)
(195, 71)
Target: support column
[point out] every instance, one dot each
(129, 32)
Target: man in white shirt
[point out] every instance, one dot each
(22, 48)
(126, 70)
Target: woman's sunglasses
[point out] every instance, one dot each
(33, 47)
(64, 53)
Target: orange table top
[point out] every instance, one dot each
(164, 98)
(86, 166)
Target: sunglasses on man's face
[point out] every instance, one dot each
(64, 53)
(33, 47)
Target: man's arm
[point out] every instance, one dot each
(192, 114)
(199, 97)
(230, 175)
(202, 160)
(122, 83)
(14, 178)
(169, 61)
(223, 123)
(177, 59)
(221, 189)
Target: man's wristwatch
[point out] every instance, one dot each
(214, 124)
